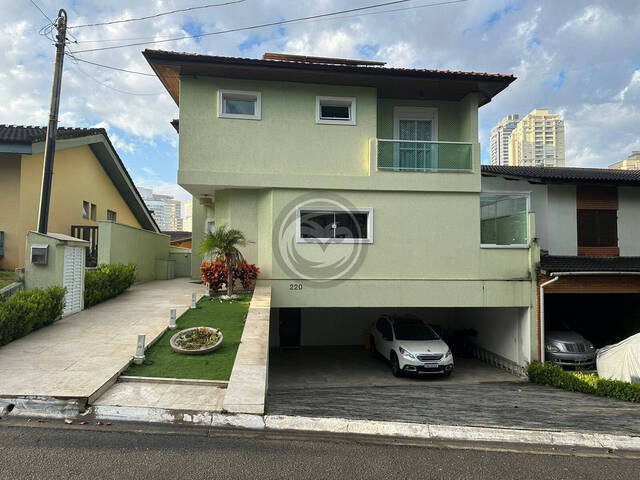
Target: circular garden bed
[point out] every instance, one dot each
(196, 340)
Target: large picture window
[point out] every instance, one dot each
(503, 220)
(334, 225)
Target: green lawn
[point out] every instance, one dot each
(227, 316)
(6, 277)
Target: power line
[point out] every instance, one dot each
(104, 84)
(393, 10)
(253, 27)
(157, 14)
(71, 54)
(41, 11)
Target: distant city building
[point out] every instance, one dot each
(538, 140)
(632, 162)
(500, 135)
(166, 210)
(188, 216)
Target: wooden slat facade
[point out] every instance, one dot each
(590, 197)
(593, 284)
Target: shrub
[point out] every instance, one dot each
(554, 375)
(26, 311)
(107, 280)
(215, 274)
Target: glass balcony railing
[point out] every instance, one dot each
(420, 156)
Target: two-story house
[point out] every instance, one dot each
(358, 188)
(588, 228)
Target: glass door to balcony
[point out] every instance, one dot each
(417, 127)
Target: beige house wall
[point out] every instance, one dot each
(77, 177)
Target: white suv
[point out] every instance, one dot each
(410, 345)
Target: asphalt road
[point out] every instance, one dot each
(53, 450)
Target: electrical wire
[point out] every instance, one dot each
(41, 11)
(72, 55)
(104, 84)
(240, 29)
(158, 14)
(394, 10)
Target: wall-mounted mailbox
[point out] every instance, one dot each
(39, 254)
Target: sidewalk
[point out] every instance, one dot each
(82, 355)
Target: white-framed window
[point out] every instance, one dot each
(336, 110)
(334, 225)
(418, 128)
(111, 215)
(239, 104)
(504, 219)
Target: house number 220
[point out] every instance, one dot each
(295, 286)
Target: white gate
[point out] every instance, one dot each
(73, 273)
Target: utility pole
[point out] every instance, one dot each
(52, 129)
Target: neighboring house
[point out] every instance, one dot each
(588, 228)
(272, 146)
(179, 238)
(90, 183)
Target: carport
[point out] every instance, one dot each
(597, 297)
(325, 347)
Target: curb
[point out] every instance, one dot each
(453, 432)
(44, 407)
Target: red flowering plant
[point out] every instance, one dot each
(215, 274)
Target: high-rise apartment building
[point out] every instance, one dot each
(632, 162)
(499, 144)
(166, 210)
(538, 140)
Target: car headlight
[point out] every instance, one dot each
(406, 353)
(551, 348)
(448, 354)
(590, 347)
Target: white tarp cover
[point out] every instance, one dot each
(620, 361)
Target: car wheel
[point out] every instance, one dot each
(447, 373)
(395, 365)
(372, 348)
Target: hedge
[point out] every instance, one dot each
(30, 310)
(554, 375)
(107, 280)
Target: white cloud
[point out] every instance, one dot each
(594, 44)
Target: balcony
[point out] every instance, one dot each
(423, 156)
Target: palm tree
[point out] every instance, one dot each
(223, 242)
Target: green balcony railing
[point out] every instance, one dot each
(420, 156)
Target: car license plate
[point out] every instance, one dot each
(431, 365)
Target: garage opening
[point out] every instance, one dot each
(328, 346)
(602, 319)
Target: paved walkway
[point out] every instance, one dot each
(77, 356)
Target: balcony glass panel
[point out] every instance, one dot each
(423, 156)
(503, 219)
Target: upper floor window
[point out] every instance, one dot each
(503, 219)
(85, 209)
(597, 218)
(111, 215)
(239, 104)
(334, 225)
(336, 110)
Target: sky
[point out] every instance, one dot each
(578, 58)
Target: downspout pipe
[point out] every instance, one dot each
(555, 277)
(542, 285)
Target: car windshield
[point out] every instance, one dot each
(413, 329)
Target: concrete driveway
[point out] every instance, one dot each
(347, 383)
(82, 354)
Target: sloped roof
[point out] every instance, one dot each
(390, 81)
(177, 235)
(559, 264)
(104, 151)
(31, 134)
(565, 174)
